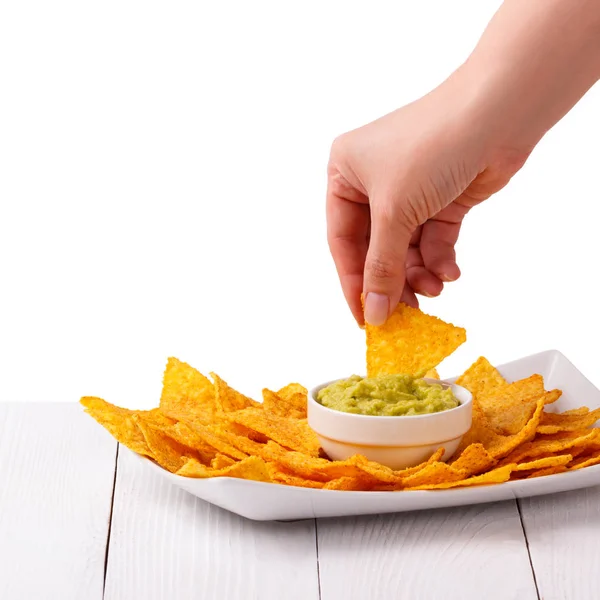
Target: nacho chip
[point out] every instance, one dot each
(555, 422)
(209, 435)
(547, 471)
(227, 399)
(510, 408)
(432, 374)
(474, 460)
(503, 445)
(273, 403)
(586, 459)
(434, 473)
(166, 451)
(349, 484)
(552, 445)
(301, 465)
(186, 395)
(543, 463)
(295, 395)
(499, 475)
(280, 475)
(482, 379)
(252, 467)
(481, 432)
(294, 434)
(220, 461)
(410, 342)
(582, 410)
(119, 422)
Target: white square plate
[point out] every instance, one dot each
(267, 501)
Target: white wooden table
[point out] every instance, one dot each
(81, 520)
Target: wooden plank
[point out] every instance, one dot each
(56, 480)
(563, 532)
(166, 543)
(466, 553)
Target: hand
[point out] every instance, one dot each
(400, 187)
(398, 190)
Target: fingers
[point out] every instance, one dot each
(420, 279)
(438, 239)
(347, 235)
(384, 274)
(409, 297)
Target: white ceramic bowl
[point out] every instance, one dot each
(398, 442)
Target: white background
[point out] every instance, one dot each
(162, 180)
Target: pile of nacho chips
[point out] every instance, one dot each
(205, 428)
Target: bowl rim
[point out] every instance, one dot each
(461, 406)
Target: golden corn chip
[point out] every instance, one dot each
(186, 395)
(504, 445)
(543, 463)
(548, 471)
(410, 342)
(242, 442)
(497, 445)
(309, 467)
(509, 409)
(213, 438)
(119, 422)
(273, 403)
(349, 484)
(435, 457)
(402, 474)
(291, 433)
(582, 410)
(220, 461)
(432, 474)
(551, 445)
(587, 459)
(252, 467)
(186, 436)
(556, 422)
(166, 451)
(474, 460)
(297, 396)
(379, 472)
(282, 476)
(319, 469)
(482, 379)
(481, 432)
(499, 475)
(228, 399)
(432, 374)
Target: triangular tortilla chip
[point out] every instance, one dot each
(276, 405)
(410, 342)
(510, 408)
(187, 395)
(482, 379)
(121, 424)
(227, 399)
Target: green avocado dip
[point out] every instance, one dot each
(386, 396)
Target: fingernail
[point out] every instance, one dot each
(377, 308)
(449, 272)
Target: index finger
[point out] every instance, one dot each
(348, 225)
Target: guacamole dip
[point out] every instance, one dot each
(386, 395)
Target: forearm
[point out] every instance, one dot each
(535, 60)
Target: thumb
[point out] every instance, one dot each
(385, 265)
